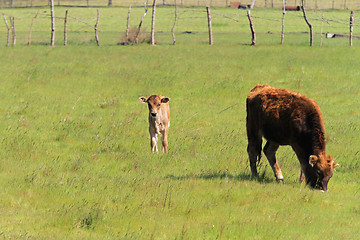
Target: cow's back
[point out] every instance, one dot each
(279, 114)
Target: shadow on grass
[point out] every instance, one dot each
(221, 175)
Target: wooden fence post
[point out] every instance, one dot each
(65, 27)
(128, 25)
(8, 31)
(283, 23)
(351, 27)
(172, 29)
(52, 23)
(153, 24)
(253, 34)
(96, 28)
(308, 23)
(12, 22)
(252, 4)
(321, 29)
(31, 26)
(138, 31)
(210, 25)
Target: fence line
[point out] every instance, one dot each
(200, 22)
(311, 5)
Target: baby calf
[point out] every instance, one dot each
(159, 120)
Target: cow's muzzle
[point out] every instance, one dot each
(153, 114)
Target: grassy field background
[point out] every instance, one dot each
(76, 163)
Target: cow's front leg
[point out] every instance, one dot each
(303, 161)
(153, 140)
(302, 176)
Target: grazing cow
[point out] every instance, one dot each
(159, 120)
(285, 117)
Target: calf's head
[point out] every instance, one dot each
(154, 103)
(321, 170)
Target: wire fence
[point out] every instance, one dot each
(229, 26)
(313, 4)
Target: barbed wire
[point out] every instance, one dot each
(262, 20)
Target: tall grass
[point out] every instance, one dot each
(75, 161)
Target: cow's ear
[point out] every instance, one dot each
(335, 165)
(142, 99)
(313, 160)
(165, 99)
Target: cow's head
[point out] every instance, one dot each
(321, 170)
(154, 103)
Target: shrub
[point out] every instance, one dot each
(143, 36)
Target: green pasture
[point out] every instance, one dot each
(75, 161)
(230, 26)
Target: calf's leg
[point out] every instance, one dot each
(153, 140)
(270, 151)
(164, 141)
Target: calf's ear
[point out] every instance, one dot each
(313, 160)
(165, 99)
(142, 99)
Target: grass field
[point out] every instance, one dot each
(76, 163)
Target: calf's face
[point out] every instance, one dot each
(154, 103)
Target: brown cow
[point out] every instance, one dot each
(159, 120)
(285, 117)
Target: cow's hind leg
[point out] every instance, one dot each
(254, 152)
(270, 151)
